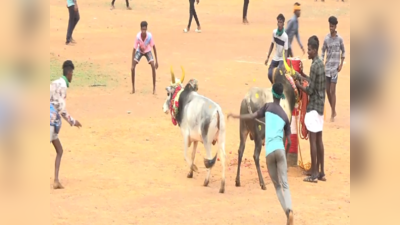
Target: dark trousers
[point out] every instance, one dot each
(193, 13)
(290, 52)
(245, 7)
(272, 66)
(127, 3)
(73, 20)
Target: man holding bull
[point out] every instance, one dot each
(314, 119)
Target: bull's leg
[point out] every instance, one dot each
(257, 152)
(185, 147)
(243, 137)
(193, 168)
(223, 159)
(208, 147)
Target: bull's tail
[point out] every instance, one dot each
(210, 163)
(247, 101)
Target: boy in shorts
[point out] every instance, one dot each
(334, 46)
(143, 44)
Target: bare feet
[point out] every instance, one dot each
(133, 91)
(290, 218)
(333, 117)
(112, 7)
(57, 185)
(245, 21)
(154, 91)
(128, 8)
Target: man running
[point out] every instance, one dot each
(127, 5)
(314, 119)
(58, 94)
(192, 13)
(280, 39)
(293, 29)
(74, 18)
(276, 131)
(334, 46)
(143, 44)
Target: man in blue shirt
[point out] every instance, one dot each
(277, 124)
(74, 17)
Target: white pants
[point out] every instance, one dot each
(314, 122)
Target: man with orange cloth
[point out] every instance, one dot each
(293, 29)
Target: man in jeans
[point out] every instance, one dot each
(73, 19)
(293, 29)
(276, 131)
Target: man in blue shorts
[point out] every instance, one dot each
(276, 131)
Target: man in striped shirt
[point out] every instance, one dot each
(280, 39)
(334, 46)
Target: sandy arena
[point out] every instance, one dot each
(123, 168)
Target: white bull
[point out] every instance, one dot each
(200, 120)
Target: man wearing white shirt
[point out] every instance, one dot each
(280, 39)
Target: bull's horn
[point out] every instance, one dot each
(284, 61)
(183, 75)
(172, 76)
(293, 71)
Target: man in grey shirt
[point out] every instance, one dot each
(293, 29)
(336, 53)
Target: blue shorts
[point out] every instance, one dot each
(148, 55)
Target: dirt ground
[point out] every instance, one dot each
(123, 168)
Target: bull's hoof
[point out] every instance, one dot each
(194, 168)
(57, 185)
(222, 189)
(263, 187)
(237, 183)
(206, 182)
(190, 175)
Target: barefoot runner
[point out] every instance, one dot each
(314, 119)
(143, 44)
(58, 94)
(334, 46)
(276, 131)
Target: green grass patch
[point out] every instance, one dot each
(86, 74)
